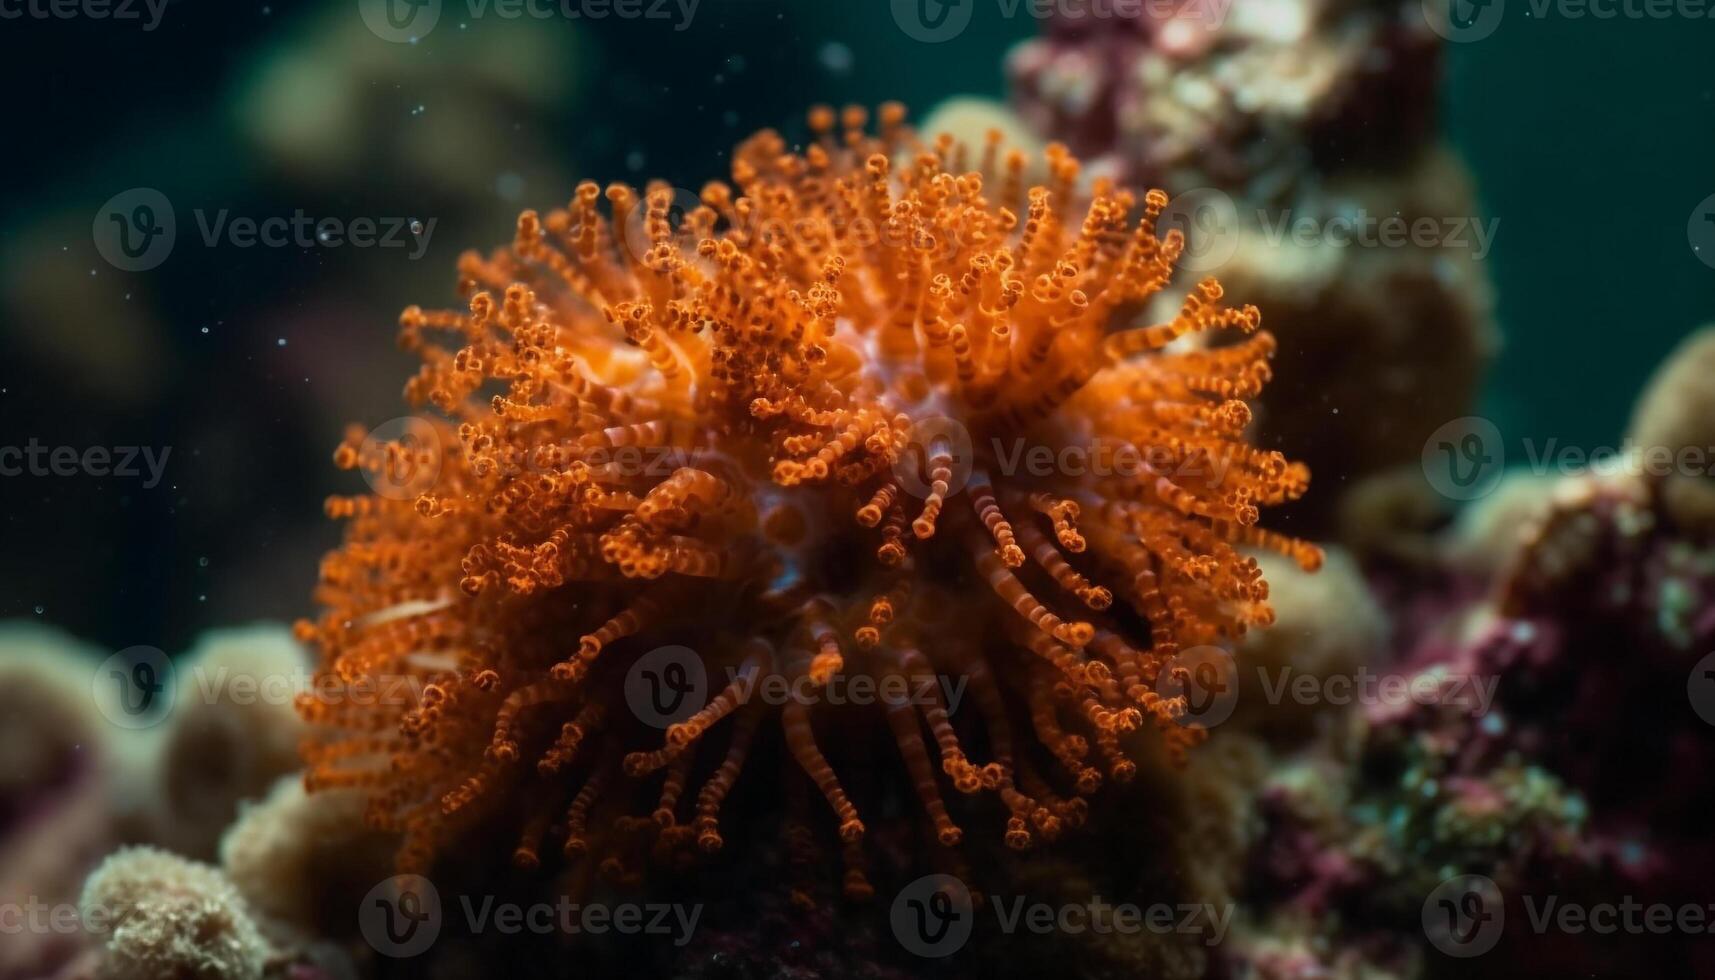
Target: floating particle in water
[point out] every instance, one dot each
(836, 58)
(635, 160)
(416, 227)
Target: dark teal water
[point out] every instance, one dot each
(1592, 142)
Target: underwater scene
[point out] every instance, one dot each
(824, 489)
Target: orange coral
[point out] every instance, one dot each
(846, 335)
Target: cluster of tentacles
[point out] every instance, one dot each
(783, 430)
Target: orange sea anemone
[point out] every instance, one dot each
(792, 434)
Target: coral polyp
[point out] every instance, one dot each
(789, 431)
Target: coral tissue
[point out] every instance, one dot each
(785, 432)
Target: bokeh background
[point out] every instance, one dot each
(1591, 141)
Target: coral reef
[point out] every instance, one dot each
(59, 770)
(234, 731)
(85, 779)
(1287, 125)
(798, 361)
(166, 918)
(303, 863)
(1262, 97)
(1326, 625)
(1584, 604)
